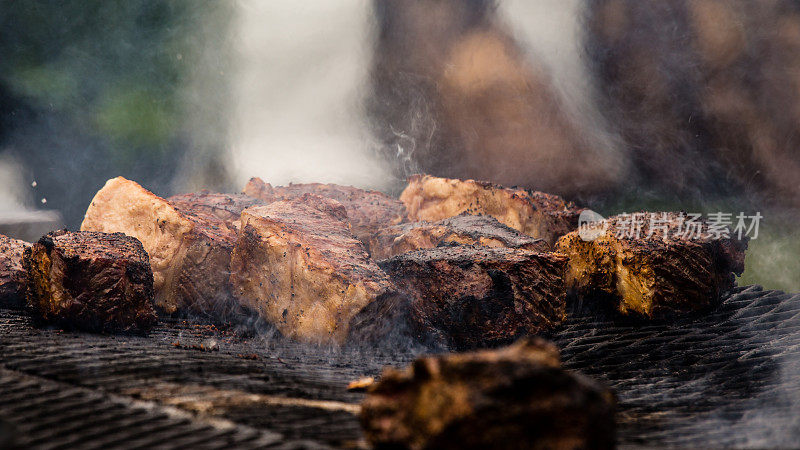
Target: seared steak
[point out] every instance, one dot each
(652, 264)
(298, 265)
(189, 253)
(470, 297)
(463, 229)
(12, 274)
(92, 281)
(367, 211)
(516, 397)
(536, 214)
(214, 207)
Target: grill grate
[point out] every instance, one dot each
(729, 378)
(48, 414)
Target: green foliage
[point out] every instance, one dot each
(115, 67)
(135, 117)
(772, 258)
(93, 89)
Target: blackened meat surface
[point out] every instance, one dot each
(536, 214)
(653, 264)
(512, 398)
(91, 280)
(298, 265)
(367, 211)
(470, 296)
(463, 229)
(12, 274)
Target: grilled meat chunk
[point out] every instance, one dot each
(465, 228)
(516, 397)
(367, 211)
(189, 253)
(298, 265)
(468, 297)
(215, 207)
(91, 281)
(652, 264)
(536, 214)
(12, 274)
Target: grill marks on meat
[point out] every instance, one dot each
(465, 229)
(298, 265)
(367, 211)
(536, 214)
(661, 272)
(12, 274)
(189, 250)
(468, 297)
(90, 280)
(515, 397)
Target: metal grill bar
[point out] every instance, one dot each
(48, 414)
(727, 378)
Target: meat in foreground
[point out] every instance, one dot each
(91, 281)
(12, 274)
(297, 264)
(189, 252)
(367, 211)
(536, 214)
(465, 228)
(512, 398)
(468, 296)
(652, 264)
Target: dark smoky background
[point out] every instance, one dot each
(620, 105)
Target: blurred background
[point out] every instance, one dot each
(619, 105)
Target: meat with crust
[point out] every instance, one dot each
(297, 264)
(511, 398)
(189, 253)
(12, 274)
(214, 206)
(465, 229)
(91, 281)
(469, 296)
(652, 264)
(367, 211)
(536, 214)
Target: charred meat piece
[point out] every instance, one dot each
(652, 264)
(367, 211)
(465, 228)
(516, 397)
(189, 253)
(91, 281)
(214, 207)
(468, 297)
(12, 274)
(536, 214)
(298, 265)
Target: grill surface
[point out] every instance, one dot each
(728, 378)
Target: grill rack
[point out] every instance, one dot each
(728, 378)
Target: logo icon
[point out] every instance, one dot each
(591, 225)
